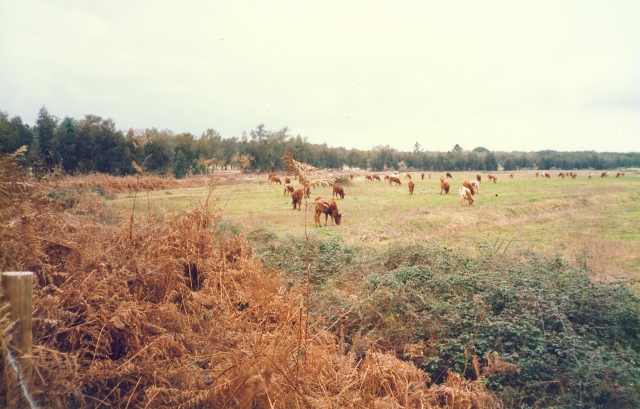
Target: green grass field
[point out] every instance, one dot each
(599, 217)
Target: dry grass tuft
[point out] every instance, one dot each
(115, 184)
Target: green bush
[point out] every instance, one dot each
(576, 343)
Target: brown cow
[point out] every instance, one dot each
(561, 174)
(479, 178)
(393, 179)
(622, 174)
(407, 176)
(307, 192)
(575, 175)
(422, 175)
(351, 176)
(429, 175)
(338, 191)
(465, 194)
(469, 186)
(449, 175)
(368, 177)
(490, 176)
(444, 186)
(571, 174)
(590, 175)
(536, 175)
(287, 180)
(546, 175)
(495, 179)
(604, 174)
(288, 188)
(511, 176)
(411, 186)
(376, 177)
(271, 175)
(296, 197)
(329, 208)
(618, 174)
(275, 179)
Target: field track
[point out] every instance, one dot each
(599, 217)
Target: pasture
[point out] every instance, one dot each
(596, 221)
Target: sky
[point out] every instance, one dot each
(505, 75)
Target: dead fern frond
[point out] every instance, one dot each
(307, 174)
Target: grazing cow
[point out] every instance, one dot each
(476, 186)
(394, 179)
(271, 175)
(386, 177)
(368, 177)
(449, 175)
(444, 186)
(351, 176)
(490, 176)
(296, 197)
(622, 174)
(288, 188)
(422, 175)
(411, 186)
(407, 176)
(329, 208)
(536, 175)
(571, 174)
(479, 178)
(590, 175)
(338, 191)
(604, 174)
(376, 177)
(561, 174)
(575, 175)
(618, 174)
(469, 186)
(546, 175)
(287, 180)
(276, 180)
(511, 176)
(307, 191)
(429, 175)
(465, 194)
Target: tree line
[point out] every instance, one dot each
(95, 144)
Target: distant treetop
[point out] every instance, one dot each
(481, 149)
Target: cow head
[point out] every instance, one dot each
(337, 217)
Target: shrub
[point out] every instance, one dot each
(576, 343)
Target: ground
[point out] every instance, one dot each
(596, 220)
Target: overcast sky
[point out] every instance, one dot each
(506, 75)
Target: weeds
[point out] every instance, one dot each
(562, 339)
(178, 314)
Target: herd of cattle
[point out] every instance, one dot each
(329, 207)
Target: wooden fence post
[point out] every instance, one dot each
(18, 292)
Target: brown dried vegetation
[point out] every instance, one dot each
(146, 314)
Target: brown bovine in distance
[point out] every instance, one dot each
(329, 208)
(296, 198)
